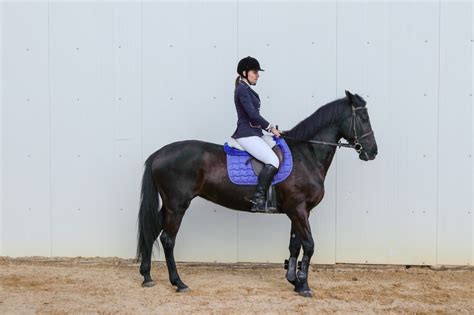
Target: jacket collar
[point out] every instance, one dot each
(249, 87)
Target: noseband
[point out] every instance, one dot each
(353, 141)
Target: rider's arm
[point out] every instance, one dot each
(255, 117)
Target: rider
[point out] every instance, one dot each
(249, 128)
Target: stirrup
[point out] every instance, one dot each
(268, 208)
(253, 209)
(262, 210)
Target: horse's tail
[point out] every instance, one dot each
(149, 216)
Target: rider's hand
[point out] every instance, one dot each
(275, 131)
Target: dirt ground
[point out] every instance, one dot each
(112, 285)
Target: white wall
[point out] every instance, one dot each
(91, 89)
(454, 187)
(412, 62)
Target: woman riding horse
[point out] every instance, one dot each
(249, 129)
(183, 170)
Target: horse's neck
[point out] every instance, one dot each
(324, 154)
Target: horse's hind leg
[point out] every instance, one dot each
(145, 264)
(172, 222)
(295, 247)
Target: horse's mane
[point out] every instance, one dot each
(322, 117)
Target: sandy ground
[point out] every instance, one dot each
(112, 285)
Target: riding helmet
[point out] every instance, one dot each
(247, 64)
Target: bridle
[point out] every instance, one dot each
(353, 143)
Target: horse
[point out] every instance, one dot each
(182, 170)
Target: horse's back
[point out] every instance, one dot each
(185, 152)
(192, 146)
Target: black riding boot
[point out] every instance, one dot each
(264, 180)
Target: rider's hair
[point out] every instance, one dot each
(237, 80)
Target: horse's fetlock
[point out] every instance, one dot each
(302, 275)
(175, 281)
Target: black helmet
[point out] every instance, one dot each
(247, 64)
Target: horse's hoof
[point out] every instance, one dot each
(291, 277)
(183, 290)
(148, 284)
(293, 282)
(306, 293)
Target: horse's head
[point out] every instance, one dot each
(356, 128)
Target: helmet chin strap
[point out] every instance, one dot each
(248, 80)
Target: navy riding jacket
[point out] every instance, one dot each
(247, 103)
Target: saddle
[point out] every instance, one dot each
(243, 168)
(257, 165)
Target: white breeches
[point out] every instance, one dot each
(260, 148)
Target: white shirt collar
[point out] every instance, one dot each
(245, 82)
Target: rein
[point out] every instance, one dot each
(357, 146)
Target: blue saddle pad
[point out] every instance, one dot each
(239, 167)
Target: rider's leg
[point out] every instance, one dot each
(269, 140)
(264, 180)
(259, 149)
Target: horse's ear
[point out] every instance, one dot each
(360, 100)
(350, 97)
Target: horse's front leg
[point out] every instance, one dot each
(300, 223)
(291, 263)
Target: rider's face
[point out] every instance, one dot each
(253, 76)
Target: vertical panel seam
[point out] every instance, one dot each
(141, 75)
(141, 98)
(437, 142)
(335, 195)
(141, 95)
(2, 126)
(237, 54)
(471, 150)
(49, 131)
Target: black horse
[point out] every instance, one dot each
(182, 170)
